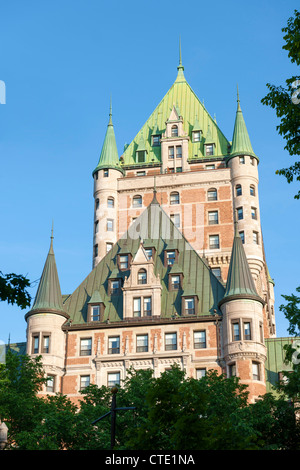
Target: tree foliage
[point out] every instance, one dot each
(286, 101)
(13, 289)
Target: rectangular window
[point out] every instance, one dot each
(35, 344)
(123, 261)
(86, 347)
(142, 343)
(108, 247)
(209, 149)
(148, 252)
(200, 339)
(171, 152)
(170, 341)
(210, 167)
(175, 282)
(84, 381)
(189, 306)
(255, 371)
(255, 238)
(113, 379)
(170, 258)
(46, 344)
(213, 218)
(109, 225)
(105, 173)
(96, 251)
(214, 242)
(232, 370)
(50, 383)
(96, 313)
(236, 332)
(175, 219)
(239, 213)
(155, 140)
(242, 160)
(179, 169)
(96, 226)
(212, 195)
(114, 286)
(178, 151)
(137, 307)
(200, 373)
(174, 198)
(140, 173)
(196, 136)
(253, 213)
(141, 156)
(247, 330)
(114, 345)
(216, 272)
(147, 306)
(242, 235)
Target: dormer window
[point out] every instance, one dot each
(95, 313)
(174, 131)
(141, 156)
(115, 285)
(142, 277)
(156, 140)
(123, 261)
(209, 149)
(175, 282)
(170, 257)
(149, 252)
(189, 306)
(196, 136)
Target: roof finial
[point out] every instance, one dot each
(51, 243)
(110, 112)
(180, 67)
(238, 97)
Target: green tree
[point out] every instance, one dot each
(13, 289)
(286, 101)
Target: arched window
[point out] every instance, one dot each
(238, 189)
(142, 276)
(174, 198)
(212, 194)
(110, 202)
(137, 201)
(174, 131)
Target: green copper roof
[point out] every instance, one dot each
(109, 157)
(195, 116)
(240, 283)
(48, 296)
(241, 144)
(155, 229)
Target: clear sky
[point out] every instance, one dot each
(62, 60)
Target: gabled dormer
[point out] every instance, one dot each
(142, 288)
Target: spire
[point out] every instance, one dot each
(241, 144)
(48, 296)
(180, 68)
(240, 282)
(109, 157)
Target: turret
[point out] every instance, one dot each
(244, 175)
(244, 350)
(106, 202)
(44, 323)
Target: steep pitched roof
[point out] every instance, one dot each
(240, 283)
(155, 229)
(48, 297)
(109, 157)
(194, 115)
(241, 144)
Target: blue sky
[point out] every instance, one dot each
(62, 60)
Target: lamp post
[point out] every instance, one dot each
(113, 413)
(3, 435)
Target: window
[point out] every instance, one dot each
(232, 370)
(96, 313)
(113, 379)
(155, 140)
(200, 339)
(175, 282)
(35, 344)
(242, 160)
(214, 242)
(179, 169)
(141, 156)
(109, 225)
(84, 381)
(209, 149)
(123, 260)
(175, 219)
(97, 203)
(253, 213)
(236, 332)
(174, 131)
(142, 343)
(255, 371)
(137, 307)
(171, 152)
(174, 198)
(247, 331)
(216, 272)
(46, 345)
(96, 251)
(105, 173)
(149, 253)
(140, 173)
(189, 306)
(255, 238)
(170, 341)
(252, 190)
(137, 201)
(110, 202)
(238, 190)
(142, 277)
(196, 136)
(252, 161)
(96, 226)
(178, 151)
(261, 332)
(114, 345)
(242, 235)
(210, 167)
(50, 383)
(108, 247)
(114, 286)
(147, 306)
(96, 175)
(171, 255)
(212, 194)
(240, 214)
(200, 373)
(86, 347)
(213, 218)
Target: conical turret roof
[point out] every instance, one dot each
(241, 144)
(109, 157)
(240, 283)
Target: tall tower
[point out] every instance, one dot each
(244, 176)
(244, 350)
(106, 201)
(44, 323)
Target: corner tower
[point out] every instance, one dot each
(106, 202)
